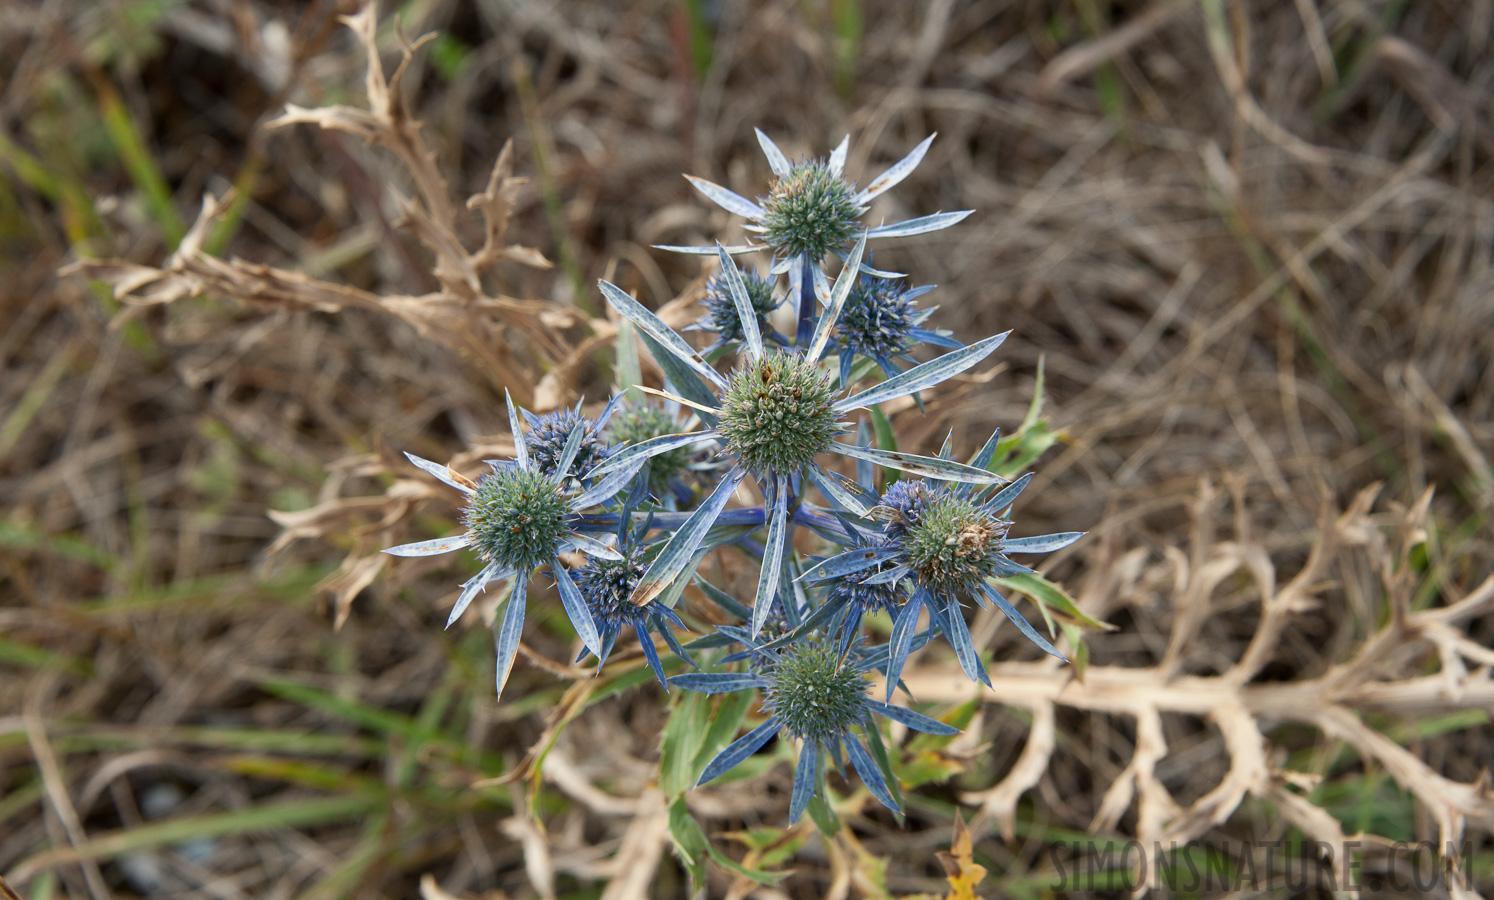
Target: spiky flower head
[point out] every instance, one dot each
(548, 435)
(516, 518)
(640, 423)
(809, 210)
(721, 310)
(864, 594)
(951, 541)
(878, 318)
(776, 414)
(605, 585)
(815, 692)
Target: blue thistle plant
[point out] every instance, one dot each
(722, 317)
(818, 695)
(669, 473)
(519, 518)
(778, 415)
(943, 540)
(811, 212)
(549, 433)
(774, 415)
(882, 323)
(606, 584)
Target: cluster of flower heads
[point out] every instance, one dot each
(620, 509)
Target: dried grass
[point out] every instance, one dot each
(1249, 242)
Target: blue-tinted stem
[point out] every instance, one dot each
(814, 518)
(805, 333)
(753, 515)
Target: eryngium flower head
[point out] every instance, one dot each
(606, 584)
(878, 318)
(516, 518)
(548, 435)
(721, 310)
(776, 413)
(641, 423)
(954, 543)
(815, 692)
(809, 210)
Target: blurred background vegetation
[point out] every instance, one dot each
(1242, 244)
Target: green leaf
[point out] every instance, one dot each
(884, 763)
(824, 817)
(1049, 596)
(254, 819)
(1079, 656)
(629, 370)
(685, 729)
(725, 723)
(693, 847)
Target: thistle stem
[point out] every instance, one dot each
(805, 333)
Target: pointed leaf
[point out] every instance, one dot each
(682, 378)
(891, 576)
(507, 642)
(920, 225)
(838, 294)
(1007, 495)
(727, 199)
(767, 579)
(902, 641)
(923, 376)
(838, 155)
(521, 446)
(718, 682)
(633, 455)
(928, 466)
(834, 486)
(655, 328)
(568, 453)
(871, 776)
(445, 473)
(472, 587)
(897, 172)
(776, 160)
(606, 488)
(651, 653)
(746, 315)
(576, 609)
(590, 546)
(957, 631)
(1020, 621)
(914, 720)
(432, 547)
(677, 553)
(740, 749)
(805, 775)
(733, 249)
(1043, 543)
(849, 563)
(987, 453)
